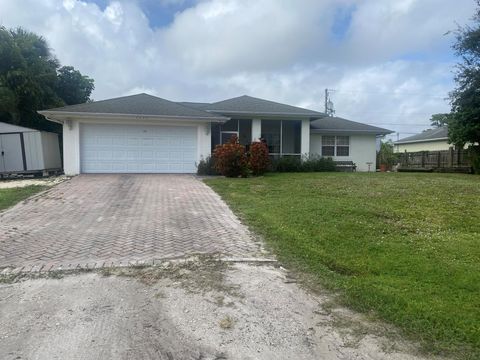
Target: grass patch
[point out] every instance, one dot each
(9, 197)
(402, 247)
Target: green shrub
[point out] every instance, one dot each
(316, 163)
(475, 158)
(206, 167)
(312, 163)
(287, 164)
(258, 159)
(230, 159)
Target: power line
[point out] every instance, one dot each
(393, 93)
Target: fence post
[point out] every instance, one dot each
(423, 159)
(439, 159)
(450, 156)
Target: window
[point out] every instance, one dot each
(328, 145)
(343, 145)
(229, 129)
(283, 137)
(271, 133)
(335, 145)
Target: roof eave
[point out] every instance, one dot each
(59, 116)
(367, 132)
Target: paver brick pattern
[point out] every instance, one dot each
(121, 218)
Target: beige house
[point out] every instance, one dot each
(429, 140)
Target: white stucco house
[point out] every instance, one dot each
(429, 140)
(147, 134)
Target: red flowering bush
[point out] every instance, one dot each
(258, 159)
(230, 159)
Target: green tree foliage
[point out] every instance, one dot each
(464, 127)
(386, 155)
(439, 120)
(30, 78)
(73, 87)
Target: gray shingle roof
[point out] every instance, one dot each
(196, 105)
(255, 106)
(333, 124)
(140, 104)
(427, 135)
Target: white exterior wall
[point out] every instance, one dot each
(362, 150)
(423, 146)
(71, 139)
(305, 137)
(71, 148)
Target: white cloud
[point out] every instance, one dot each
(280, 50)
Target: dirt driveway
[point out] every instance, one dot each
(203, 309)
(97, 220)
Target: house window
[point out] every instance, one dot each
(283, 137)
(343, 145)
(335, 145)
(229, 129)
(328, 145)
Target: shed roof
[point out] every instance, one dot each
(10, 128)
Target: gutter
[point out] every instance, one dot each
(56, 116)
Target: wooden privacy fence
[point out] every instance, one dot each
(452, 160)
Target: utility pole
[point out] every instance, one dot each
(329, 109)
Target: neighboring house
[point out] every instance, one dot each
(429, 140)
(24, 150)
(146, 134)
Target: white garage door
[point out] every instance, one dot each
(137, 149)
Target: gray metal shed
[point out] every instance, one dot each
(24, 150)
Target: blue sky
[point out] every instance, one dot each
(159, 13)
(389, 62)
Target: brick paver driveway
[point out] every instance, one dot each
(105, 219)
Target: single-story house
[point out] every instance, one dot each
(429, 140)
(147, 134)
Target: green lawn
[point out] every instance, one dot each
(9, 197)
(404, 247)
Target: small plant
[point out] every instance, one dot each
(258, 159)
(226, 323)
(230, 159)
(206, 166)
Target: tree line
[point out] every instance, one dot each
(32, 78)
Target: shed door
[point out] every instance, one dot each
(11, 153)
(137, 148)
